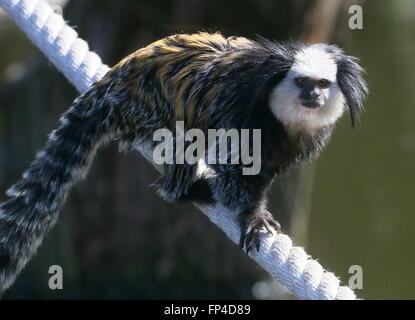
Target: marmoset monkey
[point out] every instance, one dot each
(293, 93)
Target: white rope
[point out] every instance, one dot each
(291, 266)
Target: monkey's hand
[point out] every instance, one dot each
(253, 225)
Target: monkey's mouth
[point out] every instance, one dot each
(311, 104)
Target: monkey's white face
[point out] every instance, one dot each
(309, 97)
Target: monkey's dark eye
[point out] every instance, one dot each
(300, 81)
(323, 83)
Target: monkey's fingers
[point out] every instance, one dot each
(253, 239)
(272, 225)
(251, 235)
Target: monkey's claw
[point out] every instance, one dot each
(253, 228)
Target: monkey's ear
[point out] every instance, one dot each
(351, 83)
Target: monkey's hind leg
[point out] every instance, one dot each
(178, 184)
(199, 191)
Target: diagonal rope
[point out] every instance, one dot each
(290, 265)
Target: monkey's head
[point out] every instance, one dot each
(320, 83)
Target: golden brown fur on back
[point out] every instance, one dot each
(180, 64)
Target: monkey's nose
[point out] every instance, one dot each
(313, 101)
(310, 98)
(314, 95)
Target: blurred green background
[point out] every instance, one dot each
(116, 239)
(363, 209)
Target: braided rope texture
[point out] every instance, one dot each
(290, 265)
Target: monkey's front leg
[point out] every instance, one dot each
(247, 196)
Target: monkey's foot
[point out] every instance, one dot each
(252, 227)
(199, 192)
